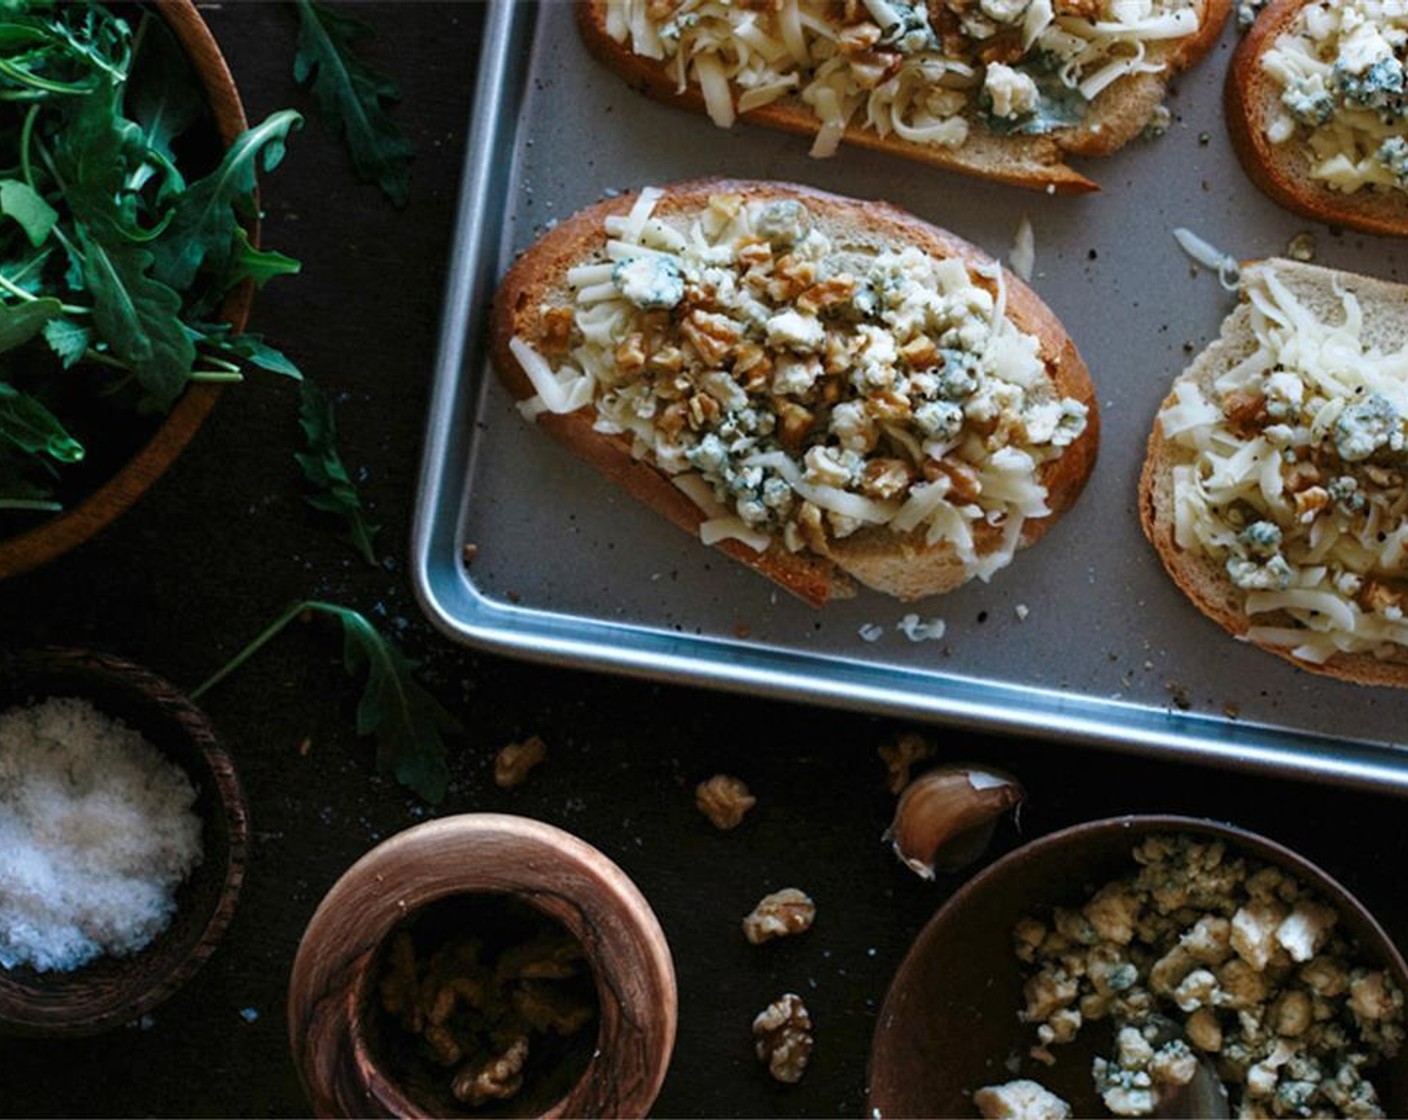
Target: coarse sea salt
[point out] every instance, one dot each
(97, 829)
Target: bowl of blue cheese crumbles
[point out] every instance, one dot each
(123, 831)
(1097, 970)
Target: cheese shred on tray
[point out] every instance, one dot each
(801, 390)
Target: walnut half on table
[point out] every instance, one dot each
(783, 1038)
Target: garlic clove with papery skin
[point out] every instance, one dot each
(946, 817)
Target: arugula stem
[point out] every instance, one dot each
(220, 363)
(26, 134)
(97, 357)
(219, 376)
(34, 504)
(269, 632)
(16, 290)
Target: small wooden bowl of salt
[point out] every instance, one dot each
(125, 832)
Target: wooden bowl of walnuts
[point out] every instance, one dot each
(483, 965)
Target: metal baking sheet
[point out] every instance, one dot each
(1083, 638)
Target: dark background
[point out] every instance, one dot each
(225, 541)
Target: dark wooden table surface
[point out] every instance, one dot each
(225, 540)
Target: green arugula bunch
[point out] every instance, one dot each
(113, 263)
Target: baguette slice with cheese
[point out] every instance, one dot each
(929, 100)
(1276, 484)
(829, 390)
(1314, 93)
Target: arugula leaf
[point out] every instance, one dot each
(353, 97)
(259, 265)
(22, 202)
(29, 426)
(204, 220)
(251, 347)
(408, 721)
(68, 340)
(322, 466)
(138, 317)
(163, 99)
(19, 322)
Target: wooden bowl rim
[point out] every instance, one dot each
(200, 942)
(553, 870)
(1246, 841)
(71, 527)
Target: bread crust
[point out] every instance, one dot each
(1282, 171)
(1202, 579)
(903, 565)
(1117, 115)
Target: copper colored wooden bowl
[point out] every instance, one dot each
(112, 991)
(333, 1012)
(61, 532)
(949, 1022)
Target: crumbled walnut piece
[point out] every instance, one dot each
(495, 1080)
(556, 338)
(781, 914)
(666, 359)
(1301, 476)
(1309, 502)
(630, 354)
(1380, 597)
(703, 410)
(857, 38)
(828, 293)
(724, 800)
(886, 478)
(660, 11)
(513, 762)
(920, 352)
(1083, 9)
(754, 252)
(900, 755)
(549, 1008)
(965, 485)
(872, 68)
(794, 421)
(711, 335)
(783, 1034)
(1245, 410)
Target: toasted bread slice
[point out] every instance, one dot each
(1115, 116)
(1228, 375)
(814, 561)
(1283, 171)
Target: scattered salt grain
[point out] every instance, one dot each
(1021, 610)
(98, 831)
(871, 632)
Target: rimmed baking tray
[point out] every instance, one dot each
(1082, 638)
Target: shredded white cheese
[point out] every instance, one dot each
(889, 70)
(1292, 471)
(1339, 72)
(798, 395)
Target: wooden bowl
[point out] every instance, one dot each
(56, 535)
(115, 990)
(330, 1005)
(949, 1022)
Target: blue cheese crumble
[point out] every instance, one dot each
(1246, 963)
(1344, 92)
